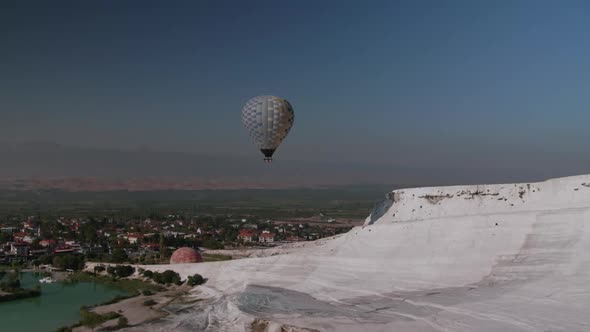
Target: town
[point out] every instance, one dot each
(105, 243)
(39, 241)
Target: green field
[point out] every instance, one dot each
(215, 258)
(340, 202)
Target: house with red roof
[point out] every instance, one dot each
(266, 237)
(64, 249)
(247, 235)
(134, 237)
(18, 237)
(152, 246)
(47, 243)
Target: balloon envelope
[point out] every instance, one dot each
(268, 120)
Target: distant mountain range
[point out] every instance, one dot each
(40, 165)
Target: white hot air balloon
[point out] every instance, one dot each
(268, 120)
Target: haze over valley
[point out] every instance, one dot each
(42, 165)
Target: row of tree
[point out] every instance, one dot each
(166, 277)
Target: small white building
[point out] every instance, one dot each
(74, 245)
(19, 249)
(134, 238)
(28, 239)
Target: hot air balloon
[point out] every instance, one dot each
(268, 120)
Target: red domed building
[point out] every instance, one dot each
(185, 255)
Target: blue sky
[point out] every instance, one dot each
(501, 84)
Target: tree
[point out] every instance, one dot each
(122, 322)
(11, 282)
(163, 249)
(119, 256)
(88, 234)
(35, 244)
(166, 277)
(149, 303)
(46, 259)
(99, 269)
(230, 234)
(90, 319)
(195, 280)
(121, 271)
(212, 244)
(124, 271)
(71, 262)
(5, 237)
(58, 262)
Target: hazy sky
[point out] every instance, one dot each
(496, 83)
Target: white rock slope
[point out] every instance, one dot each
(464, 258)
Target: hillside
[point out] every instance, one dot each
(443, 202)
(463, 258)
